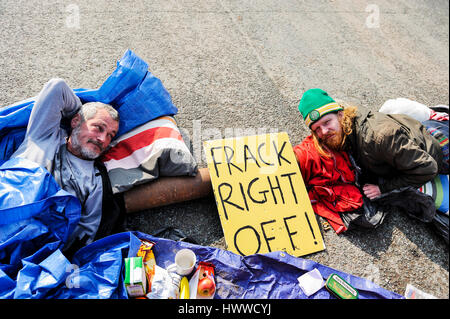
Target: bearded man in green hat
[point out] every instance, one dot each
(384, 153)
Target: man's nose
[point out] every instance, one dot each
(102, 137)
(324, 131)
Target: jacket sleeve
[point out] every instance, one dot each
(44, 134)
(55, 101)
(304, 162)
(413, 166)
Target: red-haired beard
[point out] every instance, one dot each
(333, 140)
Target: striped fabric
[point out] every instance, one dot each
(153, 149)
(439, 116)
(443, 140)
(325, 109)
(438, 190)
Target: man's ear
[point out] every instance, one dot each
(340, 114)
(76, 120)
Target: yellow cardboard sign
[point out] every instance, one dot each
(261, 197)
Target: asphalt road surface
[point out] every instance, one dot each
(238, 68)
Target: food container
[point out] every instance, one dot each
(135, 280)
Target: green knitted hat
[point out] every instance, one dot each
(314, 104)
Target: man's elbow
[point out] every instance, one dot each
(427, 174)
(434, 169)
(55, 83)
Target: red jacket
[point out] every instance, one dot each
(330, 183)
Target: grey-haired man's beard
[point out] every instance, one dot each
(85, 153)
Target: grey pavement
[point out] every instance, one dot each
(239, 67)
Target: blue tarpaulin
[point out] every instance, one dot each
(36, 217)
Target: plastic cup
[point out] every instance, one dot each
(185, 260)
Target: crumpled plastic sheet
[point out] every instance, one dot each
(262, 276)
(134, 91)
(36, 217)
(97, 272)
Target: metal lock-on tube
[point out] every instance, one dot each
(168, 190)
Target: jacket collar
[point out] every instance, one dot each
(360, 118)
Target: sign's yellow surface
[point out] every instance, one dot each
(261, 197)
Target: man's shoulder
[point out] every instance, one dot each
(377, 123)
(306, 143)
(306, 148)
(380, 131)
